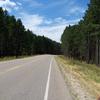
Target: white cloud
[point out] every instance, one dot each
(9, 5)
(7, 2)
(53, 32)
(73, 8)
(76, 9)
(31, 21)
(18, 3)
(52, 28)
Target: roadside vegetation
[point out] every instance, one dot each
(16, 40)
(80, 64)
(81, 49)
(12, 57)
(83, 79)
(82, 41)
(7, 58)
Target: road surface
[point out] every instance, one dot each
(33, 78)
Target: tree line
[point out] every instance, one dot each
(15, 40)
(82, 41)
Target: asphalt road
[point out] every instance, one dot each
(33, 78)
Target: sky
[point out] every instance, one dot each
(47, 17)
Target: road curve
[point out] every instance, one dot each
(33, 78)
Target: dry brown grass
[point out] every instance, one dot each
(88, 74)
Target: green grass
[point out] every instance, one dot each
(11, 58)
(7, 58)
(89, 72)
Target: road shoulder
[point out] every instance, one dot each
(78, 89)
(58, 89)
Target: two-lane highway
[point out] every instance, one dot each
(33, 78)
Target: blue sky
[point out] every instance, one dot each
(47, 17)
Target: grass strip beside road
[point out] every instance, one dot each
(86, 74)
(12, 58)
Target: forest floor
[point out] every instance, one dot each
(82, 79)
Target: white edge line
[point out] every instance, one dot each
(48, 82)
